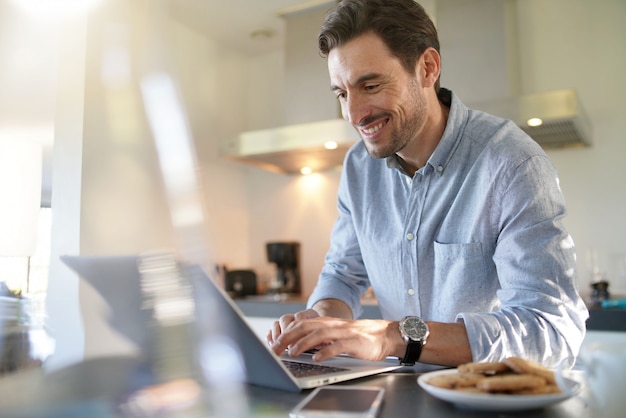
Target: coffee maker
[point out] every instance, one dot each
(286, 256)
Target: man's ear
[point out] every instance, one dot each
(429, 67)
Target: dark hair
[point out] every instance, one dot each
(403, 25)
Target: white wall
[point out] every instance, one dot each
(293, 208)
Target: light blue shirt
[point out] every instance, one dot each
(476, 236)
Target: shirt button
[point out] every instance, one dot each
(440, 168)
(409, 181)
(410, 236)
(411, 292)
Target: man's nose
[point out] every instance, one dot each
(355, 109)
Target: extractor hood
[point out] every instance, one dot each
(317, 146)
(555, 119)
(312, 115)
(314, 135)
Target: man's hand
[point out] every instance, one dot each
(283, 323)
(306, 330)
(324, 307)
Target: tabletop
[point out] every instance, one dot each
(404, 398)
(96, 387)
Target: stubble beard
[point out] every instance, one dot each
(401, 137)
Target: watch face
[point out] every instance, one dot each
(414, 328)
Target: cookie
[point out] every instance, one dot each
(524, 366)
(542, 390)
(484, 368)
(511, 383)
(470, 389)
(456, 381)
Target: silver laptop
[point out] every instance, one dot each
(118, 280)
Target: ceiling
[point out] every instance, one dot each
(232, 22)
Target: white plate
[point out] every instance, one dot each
(493, 402)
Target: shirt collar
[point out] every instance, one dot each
(452, 134)
(450, 138)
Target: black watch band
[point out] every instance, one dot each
(412, 354)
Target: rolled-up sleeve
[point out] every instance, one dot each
(542, 315)
(343, 276)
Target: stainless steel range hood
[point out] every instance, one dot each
(290, 148)
(301, 141)
(311, 115)
(555, 119)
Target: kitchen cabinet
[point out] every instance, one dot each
(607, 319)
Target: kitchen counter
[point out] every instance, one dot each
(272, 309)
(611, 319)
(599, 319)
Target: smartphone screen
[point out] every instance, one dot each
(339, 401)
(349, 400)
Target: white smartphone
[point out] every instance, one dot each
(340, 402)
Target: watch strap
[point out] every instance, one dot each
(412, 354)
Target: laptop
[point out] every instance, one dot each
(119, 276)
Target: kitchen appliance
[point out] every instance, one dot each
(286, 256)
(240, 283)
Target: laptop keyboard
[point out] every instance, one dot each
(306, 369)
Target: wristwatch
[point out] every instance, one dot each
(414, 331)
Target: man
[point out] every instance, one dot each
(452, 216)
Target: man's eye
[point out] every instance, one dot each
(371, 87)
(340, 95)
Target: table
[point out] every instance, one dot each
(404, 398)
(96, 387)
(93, 388)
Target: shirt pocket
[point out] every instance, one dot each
(460, 275)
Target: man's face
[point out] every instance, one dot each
(378, 97)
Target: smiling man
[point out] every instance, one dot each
(452, 216)
(390, 108)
